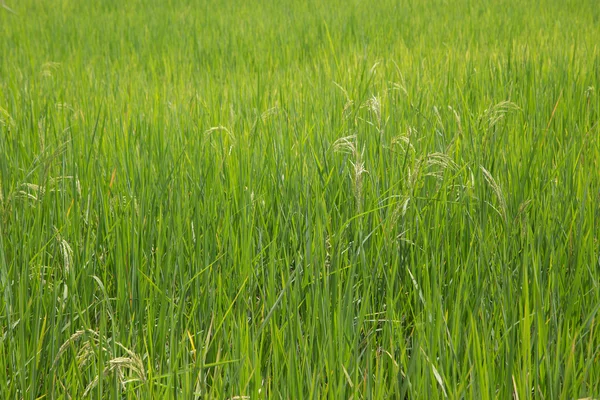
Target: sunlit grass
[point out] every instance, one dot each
(226, 199)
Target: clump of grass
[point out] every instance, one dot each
(299, 199)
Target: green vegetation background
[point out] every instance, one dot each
(299, 199)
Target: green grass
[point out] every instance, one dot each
(299, 199)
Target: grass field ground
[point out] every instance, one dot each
(299, 199)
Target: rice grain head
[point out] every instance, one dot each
(497, 191)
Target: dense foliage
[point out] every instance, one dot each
(299, 199)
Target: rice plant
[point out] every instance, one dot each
(320, 199)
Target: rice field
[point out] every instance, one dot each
(227, 199)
